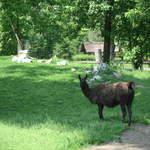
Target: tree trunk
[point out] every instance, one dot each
(112, 50)
(17, 37)
(98, 56)
(107, 32)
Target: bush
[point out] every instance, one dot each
(136, 56)
(83, 57)
(104, 73)
(40, 47)
(56, 59)
(8, 44)
(66, 48)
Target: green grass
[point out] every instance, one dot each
(130, 66)
(83, 57)
(42, 108)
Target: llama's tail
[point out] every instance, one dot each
(131, 85)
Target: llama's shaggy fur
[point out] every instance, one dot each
(110, 95)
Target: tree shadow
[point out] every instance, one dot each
(27, 101)
(30, 70)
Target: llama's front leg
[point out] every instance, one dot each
(129, 113)
(100, 111)
(124, 112)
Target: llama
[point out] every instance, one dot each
(110, 95)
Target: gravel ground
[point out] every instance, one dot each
(138, 138)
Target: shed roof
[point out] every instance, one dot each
(91, 47)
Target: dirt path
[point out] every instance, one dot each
(137, 138)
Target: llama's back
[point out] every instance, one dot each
(112, 94)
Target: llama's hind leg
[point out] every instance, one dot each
(100, 111)
(129, 113)
(124, 112)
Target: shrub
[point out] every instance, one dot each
(83, 57)
(40, 47)
(104, 73)
(66, 48)
(135, 56)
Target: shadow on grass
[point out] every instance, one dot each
(38, 70)
(27, 102)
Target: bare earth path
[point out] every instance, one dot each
(137, 138)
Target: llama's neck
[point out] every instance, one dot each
(85, 89)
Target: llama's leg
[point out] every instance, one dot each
(129, 113)
(124, 112)
(100, 111)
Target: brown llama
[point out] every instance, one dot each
(110, 95)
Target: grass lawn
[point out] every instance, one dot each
(42, 108)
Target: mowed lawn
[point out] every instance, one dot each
(43, 108)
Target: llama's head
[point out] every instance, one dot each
(84, 86)
(83, 82)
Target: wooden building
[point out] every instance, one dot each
(92, 47)
(97, 48)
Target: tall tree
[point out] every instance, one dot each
(132, 30)
(107, 32)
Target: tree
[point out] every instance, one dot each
(55, 27)
(107, 32)
(132, 30)
(45, 23)
(14, 25)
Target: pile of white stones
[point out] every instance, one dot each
(62, 63)
(96, 72)
(21, 59)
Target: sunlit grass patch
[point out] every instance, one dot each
(42, 107)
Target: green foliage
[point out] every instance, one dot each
(94, 36)
(106, 74)
(133, 30)
(14, 21)
(55, 27)
(83, 57)
(40, 23)
(137, 57)
(39, 47)
(66, 48)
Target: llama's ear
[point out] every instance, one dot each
(86, 77)
(131, 85)
(79, 77)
